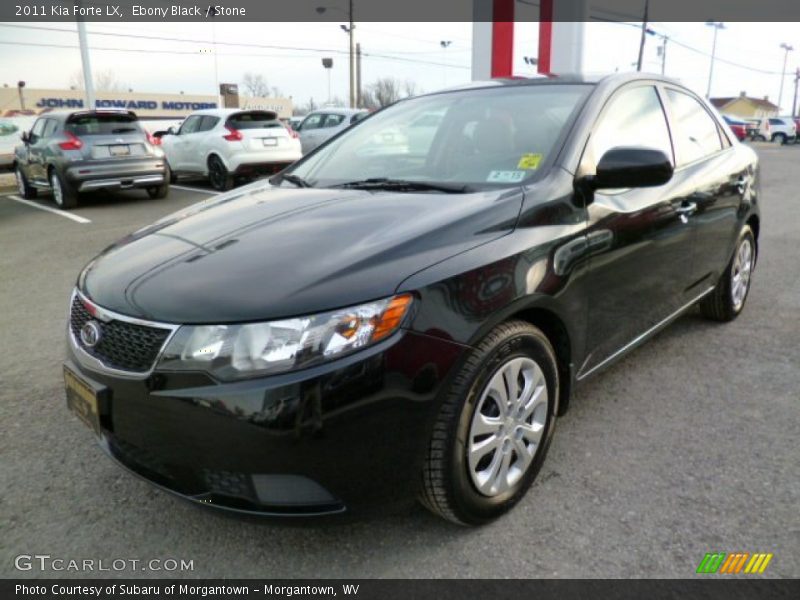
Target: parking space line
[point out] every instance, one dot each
(191, 189)
(61, 213)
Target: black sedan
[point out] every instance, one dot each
(387, 319)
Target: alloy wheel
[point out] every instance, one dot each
(58, 193)
(740, 274)
(20, 182)
(507, 426)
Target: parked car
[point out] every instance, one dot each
(358, 330)
(737, 126)
(782, 129)
(321, 125)
(68, 153)
(11, 129)
(228, 144)
(295, 121)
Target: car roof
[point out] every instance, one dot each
(226, 112)
(336, 110)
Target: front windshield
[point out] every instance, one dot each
(482, 137)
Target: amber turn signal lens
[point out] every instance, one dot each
(392, 317)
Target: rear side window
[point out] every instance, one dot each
(208, 123)
(254, 120)
(694, 129)
(333, 120)
(634, 117)
(102, 124)
(50, 128)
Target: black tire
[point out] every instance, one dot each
(779, 137)
(173, 178)
(759, 138)
(719, 305)
(448, 488)
(25, 189)
(67, 197)
(218, 175)
(158, 191)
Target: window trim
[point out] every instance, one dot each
(584, 167)
(672, 120)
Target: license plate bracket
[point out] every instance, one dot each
(120, 150)
(270, 141)
(86, 399)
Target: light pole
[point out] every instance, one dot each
(717, 25)
(445, 44)
(348, 29)
(787, 48)
(327, 63)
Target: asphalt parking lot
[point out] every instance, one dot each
(687, 446)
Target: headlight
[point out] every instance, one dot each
(232, 352)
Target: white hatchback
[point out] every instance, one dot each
(228, 144)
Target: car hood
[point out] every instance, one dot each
(267, 252)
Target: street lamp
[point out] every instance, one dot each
(349, 30)
(445, 44)
(717, 26)
(787, 48)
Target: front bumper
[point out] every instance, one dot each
(122, 174)
(349, 434)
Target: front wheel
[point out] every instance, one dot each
(493, 428)
(727, 300)
(25, 189)
(221, 179)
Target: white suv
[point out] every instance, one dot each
(776, 129)
(229, 143)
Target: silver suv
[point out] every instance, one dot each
(75, 152)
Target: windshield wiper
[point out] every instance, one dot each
(295, 179)
(384, 183)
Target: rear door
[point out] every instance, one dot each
(641, 247)
(714, 179)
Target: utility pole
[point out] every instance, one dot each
(86, 66)
(644, 36)
(664, 54)
(787, 49)
(358, 75)
(352, 59)
(794, 102)
(717, 26)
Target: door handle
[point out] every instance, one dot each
(685, 210)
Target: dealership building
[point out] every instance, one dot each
(15, 101)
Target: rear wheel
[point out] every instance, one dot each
(63, 194)
(24, 188)
(158, 191)
(493, 429)
(728, 298)
(779, 137)
(219, 176)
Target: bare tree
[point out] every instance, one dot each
(104, 81)
(256, 84)
(385, 91)
(304, 109)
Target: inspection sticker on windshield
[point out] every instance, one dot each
(529, 161)
(505, 176)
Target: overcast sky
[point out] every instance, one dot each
(406, 51)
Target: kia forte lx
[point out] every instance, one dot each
(387, 319)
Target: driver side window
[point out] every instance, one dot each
(633, 117)
(311, 122)
(37, 129)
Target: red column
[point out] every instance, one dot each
(502, 38)
(545, 35)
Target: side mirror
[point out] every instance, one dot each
(160, 134)
(25, 137)
(171, 131)
(632, 167)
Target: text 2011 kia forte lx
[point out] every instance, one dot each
(406, 310)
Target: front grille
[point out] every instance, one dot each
(122, 345)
